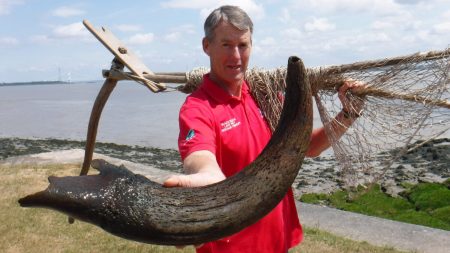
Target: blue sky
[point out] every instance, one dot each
(38, 38)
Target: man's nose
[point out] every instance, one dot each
(235, 53)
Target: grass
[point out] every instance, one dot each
(42, 230)
(317, 241)
(426, 204)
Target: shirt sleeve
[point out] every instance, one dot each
(196, 130)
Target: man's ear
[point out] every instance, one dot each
(205, 44)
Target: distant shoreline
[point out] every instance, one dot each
(34, 83)
(46, 83)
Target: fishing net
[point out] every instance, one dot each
(406, 104)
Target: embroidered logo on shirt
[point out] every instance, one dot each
(190, 135)
(229, 124)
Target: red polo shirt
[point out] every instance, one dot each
(234, 129)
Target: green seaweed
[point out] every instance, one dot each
(426, 204)
(429, 196)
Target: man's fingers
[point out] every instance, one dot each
(346, 91)
(172, 181)
(178, 181)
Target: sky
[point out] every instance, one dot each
(45, 40)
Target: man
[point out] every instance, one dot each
(222, 130)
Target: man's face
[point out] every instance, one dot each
(229, 53)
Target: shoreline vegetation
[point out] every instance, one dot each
(426, 204)
(416, 190)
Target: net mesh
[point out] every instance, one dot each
(402, 105)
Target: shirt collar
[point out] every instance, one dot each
(219, 94)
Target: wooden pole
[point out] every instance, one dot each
(180, 77)
(176, 77)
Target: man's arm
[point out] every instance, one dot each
(319, 139)
(201, 168)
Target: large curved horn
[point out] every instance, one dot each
(133, 207)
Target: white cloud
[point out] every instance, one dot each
(74, 30)
(254, 10)
(401, 23)
(172, 37)
(320, 25)
(141, 38)
(422, 35)
(376, 37)
(348, 6)
(363, 39)
(40, 39)
(382, 25)
(67, 11)
(6, 5)
(446, 15)
(292, 33)
(179, 32)
(268, 41)
(409, 2)
(285, 15)
(193, 4)
(185, 28)
(442, 28)
(128, 28)
(8, 41)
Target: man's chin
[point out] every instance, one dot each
(236, 76)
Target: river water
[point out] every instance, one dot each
(133, 114)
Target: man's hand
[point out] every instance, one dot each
(350, 103)
(192, 180)
(201, 168)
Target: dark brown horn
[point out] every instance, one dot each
(136, 208)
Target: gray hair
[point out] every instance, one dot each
(228, 13)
